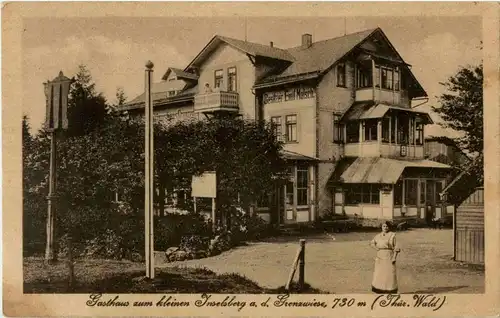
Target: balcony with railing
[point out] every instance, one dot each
(214, 102)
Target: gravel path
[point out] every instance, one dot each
(344, 264)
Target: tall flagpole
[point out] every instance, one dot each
(149, 175)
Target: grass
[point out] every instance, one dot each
(108, 276)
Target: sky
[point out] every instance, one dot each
(115, 49)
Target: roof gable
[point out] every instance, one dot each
(180, 74)
(250, 48)
(321, 55)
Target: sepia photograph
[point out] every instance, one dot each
(362, 136)
(233, 155)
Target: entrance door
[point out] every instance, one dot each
(430, 201)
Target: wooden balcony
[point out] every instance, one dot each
(380, 95)
(216, 102)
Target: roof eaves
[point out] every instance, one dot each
(287, 79)
(159, 102)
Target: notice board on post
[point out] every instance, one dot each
(204, 186)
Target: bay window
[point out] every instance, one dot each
(411, 192)
(362, 194)
(419, 138)
(363, 77)
(385, 129)
(352, 131)
(371, 130)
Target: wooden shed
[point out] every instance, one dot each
(468, 229)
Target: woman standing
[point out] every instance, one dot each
(384, 275)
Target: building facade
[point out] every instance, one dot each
(342, 107)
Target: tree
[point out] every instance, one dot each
(121, 98)
(462, 110)
(86, 108)
(244, 154)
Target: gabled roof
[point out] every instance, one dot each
(321, 55)
(160, 97)
(250, 48)
(180, 74)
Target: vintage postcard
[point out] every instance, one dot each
(199, 159)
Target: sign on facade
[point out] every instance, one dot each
(204, 186)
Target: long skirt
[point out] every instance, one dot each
(384, 275)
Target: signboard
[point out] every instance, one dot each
(204, 186)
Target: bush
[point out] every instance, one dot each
(247, 227)
(193, 243)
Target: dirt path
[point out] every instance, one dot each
(345, 265)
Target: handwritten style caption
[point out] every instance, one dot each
(426, 301)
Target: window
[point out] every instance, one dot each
(419, 134)
(363, 77)
(219, 77)
(338, 129)
(302, 182)
(277, 129)
(291, 128)
(171, 93)
(231, 79)
(396, 80)
(341, 75)
(386, 78)
(371, 130)
(377, 76)
(398, 193)
(385, 129)
(393, 129)
(411, 191)
(352, 130)
(422, 192)
(289, 186)
(403, 130)
(263, 200)
(362, 193)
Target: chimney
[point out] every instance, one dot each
(306, 40)
(271, 44)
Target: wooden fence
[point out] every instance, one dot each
(469, 229)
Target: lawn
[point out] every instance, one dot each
(108, 276)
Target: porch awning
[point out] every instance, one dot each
(290, 155)
(372, 110)
(377, 170)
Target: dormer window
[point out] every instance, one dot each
(341, 75)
